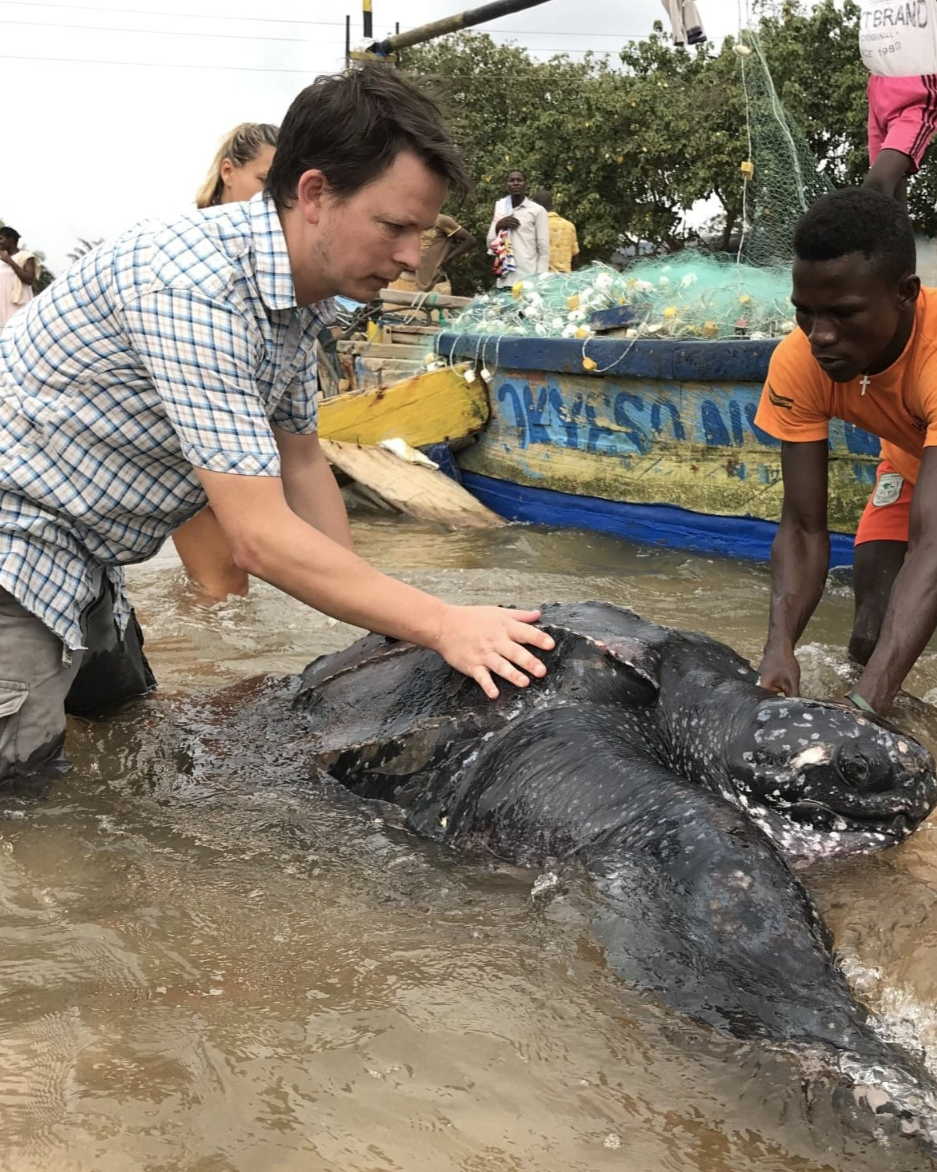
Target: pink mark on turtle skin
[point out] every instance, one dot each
(631, 654)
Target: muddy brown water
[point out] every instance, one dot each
(205, 970)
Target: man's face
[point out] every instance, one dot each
(850, 312)
(517, 184)
(366, 241)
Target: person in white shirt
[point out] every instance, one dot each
(528, 228)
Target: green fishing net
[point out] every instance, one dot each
(786, 178)
(689, 295)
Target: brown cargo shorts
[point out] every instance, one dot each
(40, 681)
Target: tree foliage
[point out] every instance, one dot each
(83, 246)
(627, 150)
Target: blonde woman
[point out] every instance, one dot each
(240, 167)
(238, 172)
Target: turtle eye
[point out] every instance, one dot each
(854, 767)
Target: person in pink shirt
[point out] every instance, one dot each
(19, 270)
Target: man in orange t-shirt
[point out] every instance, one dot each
(866, 352)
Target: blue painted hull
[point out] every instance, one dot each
(658, 444)
(743, 537)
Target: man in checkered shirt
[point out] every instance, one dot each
(176, 366)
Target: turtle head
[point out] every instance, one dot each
(827, 772)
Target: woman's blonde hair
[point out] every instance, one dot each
(241, 146)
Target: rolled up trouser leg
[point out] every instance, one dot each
(35, 678)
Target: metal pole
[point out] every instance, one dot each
(450, 24)
(347, 41)
(366, 13)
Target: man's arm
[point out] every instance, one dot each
(576, 259)
(460, 243)
(309, 486)
(911, 616)
(492, 230)
(542, 225)
(271, 541)
(800, 558)
(26, 272)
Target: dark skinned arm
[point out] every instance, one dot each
(26, 273)
(912, 610)
(800, 559)
(461, 242)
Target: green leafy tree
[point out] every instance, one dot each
(46, 276)
(83, 246)
(628, 150)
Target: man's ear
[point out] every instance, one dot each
(311, 191)
(908, 290)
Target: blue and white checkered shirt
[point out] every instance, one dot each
(174, 347)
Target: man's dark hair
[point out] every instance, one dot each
(858, 219)
(9, 234)
(544, 197)
(352, 126)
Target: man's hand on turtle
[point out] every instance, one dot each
(780, 672)
(486, 641)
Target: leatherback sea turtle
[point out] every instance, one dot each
(651, 759)
(393, 721)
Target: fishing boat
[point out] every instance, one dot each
(653, 440)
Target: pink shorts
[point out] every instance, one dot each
(902, 115)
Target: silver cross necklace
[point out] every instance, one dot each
(864, 383)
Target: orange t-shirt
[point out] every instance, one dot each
(899, 405)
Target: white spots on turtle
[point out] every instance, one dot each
(902, 746)
(813, 755)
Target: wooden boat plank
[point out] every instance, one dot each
(434, 407)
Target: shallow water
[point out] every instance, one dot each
(205, 968)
